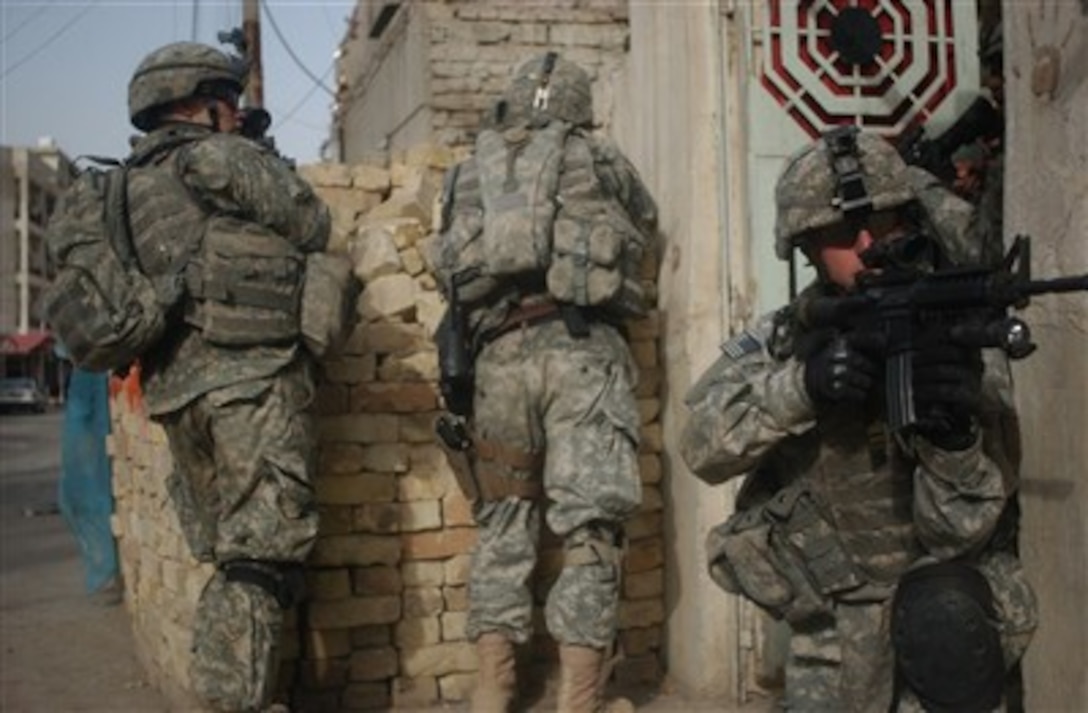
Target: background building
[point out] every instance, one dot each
(31, 181)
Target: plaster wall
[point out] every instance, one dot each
(386, 105)
(1046, 196)
(672, 122)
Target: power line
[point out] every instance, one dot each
(275, 28)
(30, 18)
(38, 50)
(299, 104)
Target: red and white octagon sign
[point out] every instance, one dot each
(878, 64)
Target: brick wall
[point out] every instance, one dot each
(385, 623)
(439, 66)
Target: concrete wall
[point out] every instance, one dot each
(384, 626)
(385, 105)
(1046, 196)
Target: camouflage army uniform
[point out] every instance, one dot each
(551, 408)
(835, 509)
(236, 417)
(571, 400)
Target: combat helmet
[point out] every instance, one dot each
(178, 71)
(551, 86)
(841, 177)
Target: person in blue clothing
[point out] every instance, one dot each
(85, 492)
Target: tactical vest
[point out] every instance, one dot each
(247, 282)
(529, 206)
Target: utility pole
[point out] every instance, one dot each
(251, 32)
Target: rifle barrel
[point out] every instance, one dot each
(1073, 283)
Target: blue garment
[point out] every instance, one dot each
(86, 495)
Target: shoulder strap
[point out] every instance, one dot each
(118, 226)
(118, 222)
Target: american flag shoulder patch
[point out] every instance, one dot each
(743, 343)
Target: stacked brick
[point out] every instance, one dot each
(475, 45)
(471, 47)
(384, 624)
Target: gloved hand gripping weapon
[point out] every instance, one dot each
(970, 306)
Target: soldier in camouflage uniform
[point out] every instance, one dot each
(235, 416)
(888, 555)
(554, 415)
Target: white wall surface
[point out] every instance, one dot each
(1046, 196)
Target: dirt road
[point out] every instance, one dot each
(59, 652)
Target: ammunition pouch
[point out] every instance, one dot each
(783, 555)
(285, 581)
(946, 640)
(247, 282)
(329, 295)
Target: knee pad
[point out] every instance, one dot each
(947, 646)
(285, 581)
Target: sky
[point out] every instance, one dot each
(65, 66)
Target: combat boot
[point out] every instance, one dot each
(583, 672)
(497, 680)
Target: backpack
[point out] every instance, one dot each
(530, 204)
(101, 306)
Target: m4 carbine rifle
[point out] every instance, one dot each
(982, 120)
(968, 306)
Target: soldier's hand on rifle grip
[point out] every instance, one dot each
(844, 370)
(947, 381)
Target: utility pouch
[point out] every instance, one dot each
(805, 529)
(751, 554)
(329, 294)
(247, 281)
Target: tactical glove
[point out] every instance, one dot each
(844, 370)
(947, 394)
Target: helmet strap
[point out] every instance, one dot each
(793, 275)
(213, 114)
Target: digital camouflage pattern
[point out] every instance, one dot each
(175, 72)
(831, 569)
(234, 177)
(834, 509)
(236, 418)
(243, 489)
(567, 94)
(540, 390)
(806, 192)
(555, 201)
(236, 646)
